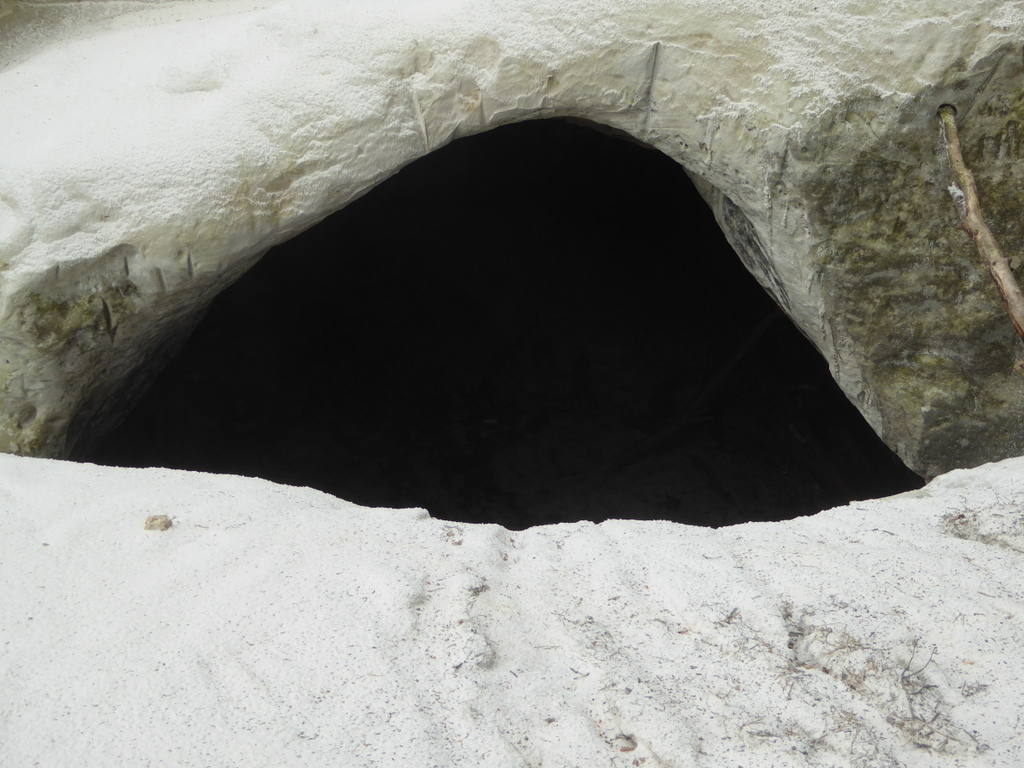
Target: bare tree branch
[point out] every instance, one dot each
(965, 197)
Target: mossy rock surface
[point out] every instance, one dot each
(907, 297)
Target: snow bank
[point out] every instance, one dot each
(278, 626)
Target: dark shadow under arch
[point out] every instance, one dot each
(538, 324)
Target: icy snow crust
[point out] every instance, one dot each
(278, 626)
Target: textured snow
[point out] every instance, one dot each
(274, 626)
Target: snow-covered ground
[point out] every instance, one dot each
(279, 626)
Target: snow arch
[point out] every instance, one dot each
(228, 128)
(114, 261)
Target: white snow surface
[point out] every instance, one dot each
(279, 626)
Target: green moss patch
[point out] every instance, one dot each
(903, 284)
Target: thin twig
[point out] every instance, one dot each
(965, 196)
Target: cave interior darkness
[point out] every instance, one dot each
(538, 324)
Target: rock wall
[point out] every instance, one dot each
(155, 150)
(906, 299)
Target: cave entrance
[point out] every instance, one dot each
(538, 324)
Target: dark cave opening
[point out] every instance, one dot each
(538, 324)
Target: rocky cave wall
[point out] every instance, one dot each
(903, 287)
(606, 354)
(811, 130)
